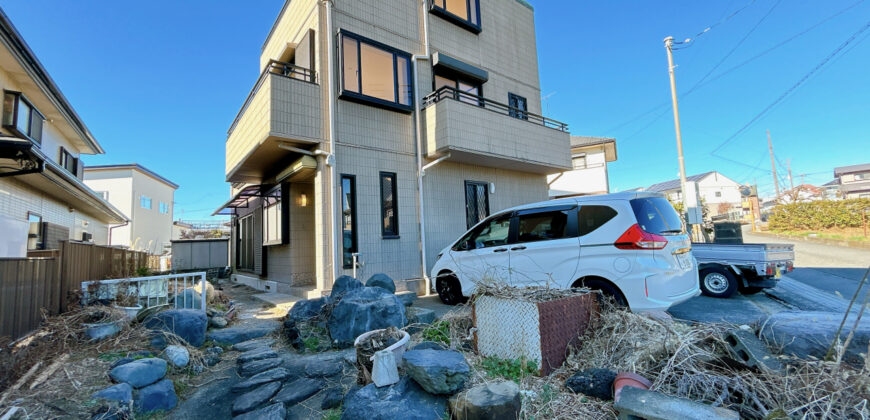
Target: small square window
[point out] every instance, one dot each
(578, 161)
(145, 202)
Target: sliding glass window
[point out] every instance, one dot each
(465, 13)
(375, 73)
(348, 219)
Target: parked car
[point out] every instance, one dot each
(631, 246)
(750, 268)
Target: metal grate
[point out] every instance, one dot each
(476, 202)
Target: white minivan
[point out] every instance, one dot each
(631, 246)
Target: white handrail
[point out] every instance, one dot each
(161, 283)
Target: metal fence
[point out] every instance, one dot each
(151, 291)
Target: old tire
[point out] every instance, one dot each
(717, 282)
(449, 289)
(751, 290)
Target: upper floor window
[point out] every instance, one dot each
(467, 91)
(68, 161)
(578, 161)
(465, 13)
(145, 202)
(375, 73)
(861, 177)
(519, 106)
(164, 208)
(20, 116)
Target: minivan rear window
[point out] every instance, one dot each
(657, 215)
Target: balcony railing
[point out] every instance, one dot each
(448, 92)
(275, 67)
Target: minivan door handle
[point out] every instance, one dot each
(499, 250)
(518, 248)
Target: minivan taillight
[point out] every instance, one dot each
(637, 238)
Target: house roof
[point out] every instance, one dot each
(864, 167)
(134, 166)
(831, 183)
(609, 143)
(16, 45)
(675, 183)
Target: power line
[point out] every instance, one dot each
(706, 30)
(792, 88)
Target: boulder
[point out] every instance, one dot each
(159, 396)
(188, 299)
(437, 371)
(215, 350)
(809, 334)
(640, 403)
(404, 400)
(270, 412)
(122, 393)
(596, 383)
(323, 368)
(420, 315)
(332, 398)
(139, 373)
(298, 391)
(490, 401)
(407, 298)
(252, 344)
(189, 324)
(363, 310)
(343, 285)
(383, 281)
(257, 366)
(305, 309)
(121, 361)
(429, 345)
(253, 399)
(217, 322)
(177, 355)
(242, 333)
(272, 375)
(256, 354)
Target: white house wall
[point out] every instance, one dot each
(593, 179)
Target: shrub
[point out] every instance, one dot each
(438, 332)
(818, 215)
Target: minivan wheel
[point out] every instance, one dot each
(718, 282)
(449, 290)
(607, 289)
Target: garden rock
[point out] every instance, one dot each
(437, 371)
(271, 375)
(298, 391)
(305, 309)
(257, 366)
(189, 324)
(160, 396)
(407, 298)
(404, 400)
(256, 354)
(429, 345)
(188, 299)
(253, 399)
(217, 322)
(420, 315)
(323, 368)
(271, 412)
(343, 285)
(239, 334)
(177, 355)
(332, 398)
(139, 373)
(363, 310)
(651, 405)
(122, 393)
(121, 361)
(383, 281)
(808, 334)
(596, 383)
(252, 344)
(491, 401)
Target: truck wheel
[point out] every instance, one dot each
(718, 282)
(751, 290)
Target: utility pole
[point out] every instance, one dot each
(669, 41)
(773, 165)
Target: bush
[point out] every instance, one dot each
(818, 215)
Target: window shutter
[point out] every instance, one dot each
(259, 255)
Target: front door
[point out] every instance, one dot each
(547, 250)
(483, 254)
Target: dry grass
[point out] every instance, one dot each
(530, 294)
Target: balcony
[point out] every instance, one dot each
(476, 130)
(283, 108)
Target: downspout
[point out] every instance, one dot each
(116, 226)
(419, 134)
(330, 159)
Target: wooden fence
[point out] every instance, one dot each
(51, 280)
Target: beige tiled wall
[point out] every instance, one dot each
(293, 264)
(290, 26)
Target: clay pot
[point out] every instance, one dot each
(625, 379)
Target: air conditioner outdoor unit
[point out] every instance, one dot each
(87, 237)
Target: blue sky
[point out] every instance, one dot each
(159, 82)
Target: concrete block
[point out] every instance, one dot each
(636, 403)
(749, 350)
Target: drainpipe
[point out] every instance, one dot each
(426, 280)
(116, 226)
(330, 159)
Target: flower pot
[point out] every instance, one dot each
(366, 366)
(130, 311)
(625, 379)
(398, 348)
(100, 330)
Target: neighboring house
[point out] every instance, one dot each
(144, 196)
(720, 193)
(42, 197)
(854, 181)
(425, 120)
(831, 190)
(803, 193)
(589, 158)
(180, 230)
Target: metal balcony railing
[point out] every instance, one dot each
(448, 92)
(275, 67)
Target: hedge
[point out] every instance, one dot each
(817, 215)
